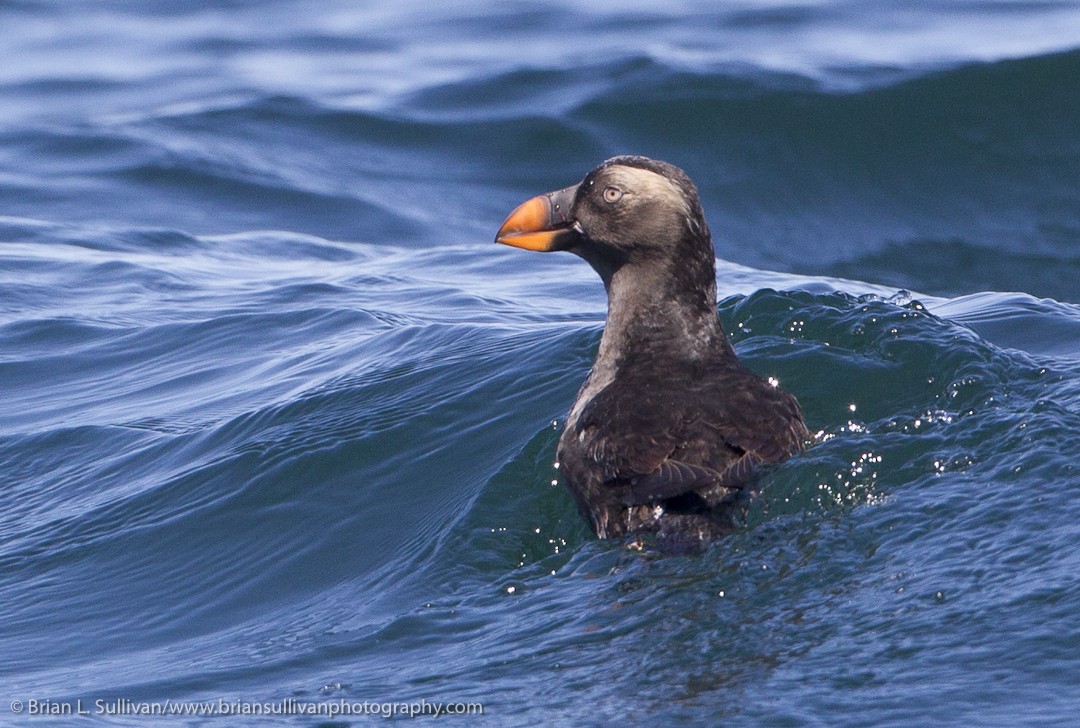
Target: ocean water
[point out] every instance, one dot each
(277, 419)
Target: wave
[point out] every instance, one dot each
(803, 178)
(296, 464)
(794, 177)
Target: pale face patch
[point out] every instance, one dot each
(635, 181)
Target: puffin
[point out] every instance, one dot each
(670, 428)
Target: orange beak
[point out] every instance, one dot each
(543, 223)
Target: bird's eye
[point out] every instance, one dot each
(612, 194)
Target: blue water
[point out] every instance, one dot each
(278, 419)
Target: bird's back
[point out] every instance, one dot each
(623, 454)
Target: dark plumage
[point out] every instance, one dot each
(669, 426)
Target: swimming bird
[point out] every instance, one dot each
(669, 427)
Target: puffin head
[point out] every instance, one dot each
(627, 210)
(637, 221)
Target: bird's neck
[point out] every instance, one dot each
(655, 311)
